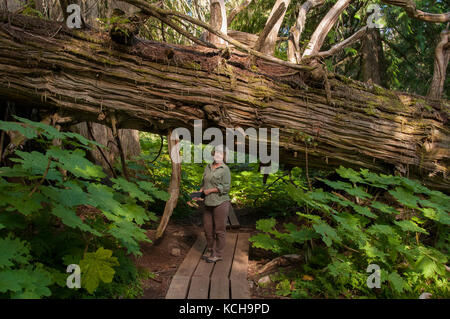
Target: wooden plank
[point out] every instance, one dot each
(204, 269)
(220, 283)
(238, 275)
(239, 289)
(223, 268)
(199, 288)
(220, 288)
(192, 258)
(178, 288)
(179, 285)
(233, 218)
(240, 261)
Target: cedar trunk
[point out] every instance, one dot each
(156, 87)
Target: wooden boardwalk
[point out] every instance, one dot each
(226, 279)
(232, 221)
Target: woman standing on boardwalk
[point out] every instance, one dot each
(216, 185)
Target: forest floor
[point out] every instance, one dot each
(159, 259)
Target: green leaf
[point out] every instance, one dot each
(12, 220)
(430, 262)
(382, 229)
(137, 213)
(101, 196)
(83, 140)
(129, 235)
(397, 282)
(340, 269)
(10, 280)
(96, 267)
(327, 232)
(381, 181)
(130, 188)
(350, 174)
(363, 210)
(347, 221)
(264, 241)
(47, 130)
(18, 200)
(25, 130)
(71, 195)
(347, 187)
(405, 197)
(428, 267)
(13, 250)
(414, 186)
(384, 208)
(309, 216)
(58, 277)
(372, 252)
(76, 163)
(35, 282)
(27, 283)
(283, 288)
(69, 218)
(266, 225)
(440, 199)
(409, 225)
(34, 161)
(302, 235)
(153, 190)
(438, 216)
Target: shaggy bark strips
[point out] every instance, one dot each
(156, 87)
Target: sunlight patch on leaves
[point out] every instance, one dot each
(96, 267)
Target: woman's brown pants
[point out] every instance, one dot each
(215, 223)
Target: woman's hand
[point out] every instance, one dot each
(199, 198)
(211, 190)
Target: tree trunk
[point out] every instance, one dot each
(155, 87)
(268, 37)
(173, 144)
(104, 135)
(218, 21)
(441, 59)
(372, 65)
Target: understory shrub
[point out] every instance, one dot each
(361, 219)
(55, 210)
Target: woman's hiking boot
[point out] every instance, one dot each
(213, 259)
(207, 254)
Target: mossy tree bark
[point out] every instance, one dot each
(156, 87)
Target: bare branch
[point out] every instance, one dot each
(410, 7)
(180, 30)
(297, 29)
(268, 37)
(324, 27)
(442, 56)
(343, 44)
(162, 14)
(238, 10)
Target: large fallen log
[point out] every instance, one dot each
(155, 87)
